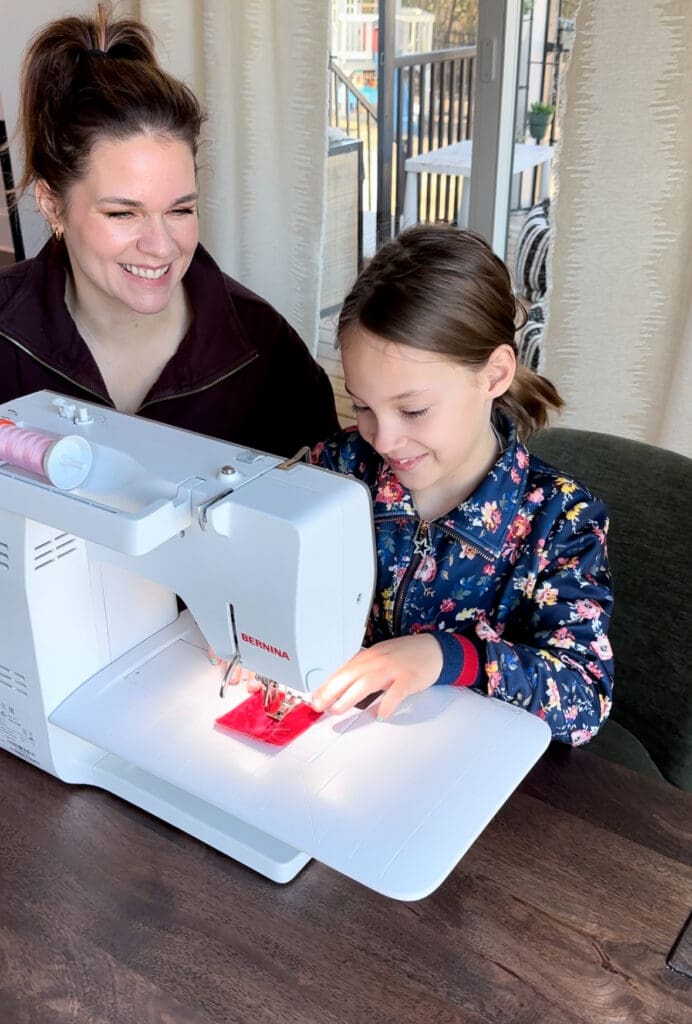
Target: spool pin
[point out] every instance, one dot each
(64, 461)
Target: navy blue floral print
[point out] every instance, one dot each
(519, 568)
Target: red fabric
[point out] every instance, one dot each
(471, 664)
(250, 719)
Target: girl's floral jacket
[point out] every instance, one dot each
(517, 577)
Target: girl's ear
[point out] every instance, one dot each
(49, 206)
(500, 370)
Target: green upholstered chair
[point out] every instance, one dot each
(648, 492)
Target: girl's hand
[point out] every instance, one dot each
(400, 667)
(238, 674)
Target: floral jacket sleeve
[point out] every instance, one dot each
(549, 652)
(514, 583)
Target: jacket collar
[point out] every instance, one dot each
(36, 318)
(216, 343)
(486, 515)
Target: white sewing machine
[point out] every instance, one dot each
(103, 682)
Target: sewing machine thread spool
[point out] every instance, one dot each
(65, 461)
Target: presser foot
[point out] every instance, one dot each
(277, 703)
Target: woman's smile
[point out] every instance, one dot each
(146, 273)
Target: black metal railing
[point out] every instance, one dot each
(425, 101)
(353, 113)
(433, 107)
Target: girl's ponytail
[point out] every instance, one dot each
(529, 401)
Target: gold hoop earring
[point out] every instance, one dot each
(58, 234)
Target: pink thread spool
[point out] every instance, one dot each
(65, 461)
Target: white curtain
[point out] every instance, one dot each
(619, 334)
(259, 68)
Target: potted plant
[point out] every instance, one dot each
(539, 118)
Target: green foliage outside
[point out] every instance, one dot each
(542, 108)
(456, 21)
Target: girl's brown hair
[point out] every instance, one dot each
(444, 290)
(84, 79)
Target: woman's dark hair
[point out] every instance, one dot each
(85, 79)
(443, 290)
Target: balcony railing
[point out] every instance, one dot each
(433, 107)
(426, 101)
(351, 111)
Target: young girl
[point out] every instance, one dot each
(492, 566)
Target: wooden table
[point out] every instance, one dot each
(456, 160)
(561, 913)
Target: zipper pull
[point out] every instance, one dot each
(421, 542)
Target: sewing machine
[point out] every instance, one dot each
(104, 682)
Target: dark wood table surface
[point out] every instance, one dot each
(563, 911)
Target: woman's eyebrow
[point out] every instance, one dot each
(135, 203)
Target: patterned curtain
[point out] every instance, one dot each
(619, 334)
(260, 69)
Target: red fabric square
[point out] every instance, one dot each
(251, 719)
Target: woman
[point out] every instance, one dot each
(123, 305)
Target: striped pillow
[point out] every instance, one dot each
(529, 339)
(532, 252)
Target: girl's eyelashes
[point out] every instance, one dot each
(409, 414)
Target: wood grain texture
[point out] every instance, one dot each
(561, 913)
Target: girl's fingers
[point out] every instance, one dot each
(236, 675)
(331, 691)
(339, 683)
(355, 693)
(373, 682)
(391, 701)
(252, 682)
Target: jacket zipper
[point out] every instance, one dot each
(484, 553)
(421, 535)
(100, 398)
(41, 362)
(205, 387)
(460, 538)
